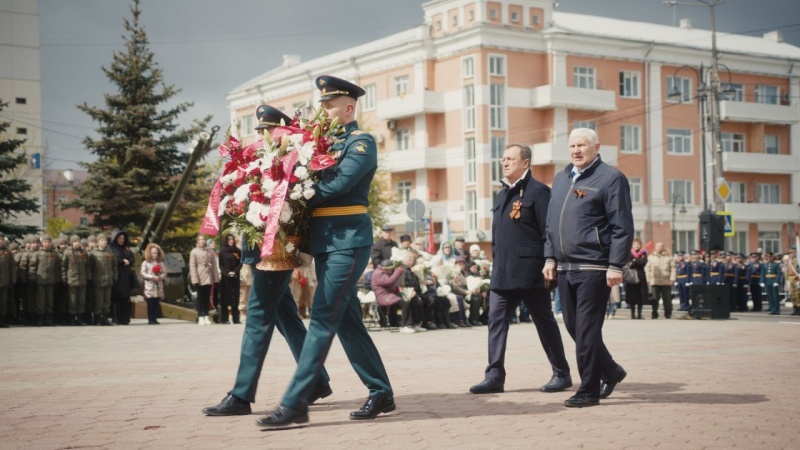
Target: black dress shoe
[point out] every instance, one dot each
(607, 387)
(374, 406)
(557, 384)
(321, 391)
(229, 406)
(283, 416)
(581, 401)
(487, 386)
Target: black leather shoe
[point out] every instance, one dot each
(229, 406)
(607, 387)
(557, 384)
(374, 406)
(321, 391)
(487, 386)
(283, 416)
(581, 401)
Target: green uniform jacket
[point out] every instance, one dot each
(23, 261)
(75, 267)
(102, 268)
(8, 267)
(43, 267)
(345, 184)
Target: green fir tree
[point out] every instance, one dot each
(14, 192)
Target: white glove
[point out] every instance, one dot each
(762, 285)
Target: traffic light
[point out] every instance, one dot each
(712, 231)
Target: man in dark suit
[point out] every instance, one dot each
(269, 304)
(518, 226)
(341, 238)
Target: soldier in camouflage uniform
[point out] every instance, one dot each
(45, 269)
(31, 249)
(103, 273)
(75, 272)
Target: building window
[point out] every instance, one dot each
(404, 191)
(583, 77)
(469, 107)
(454, 20)
(498, 148)
(682, 85)
(471, 162)
(468, 67)
(403, 139)
(247, 126)
(84, 221)
(62, 199)
(767, 94)
(771, 144)
(680, 191)
(22, 130)
(630, 138)
(584, 124)
(737, 92)
(769, 193)
(472, 210)
(471, 16)
(738, 192)
(629, 84)
(493, 14)
(535, 19)
(514, 17)
(636, 190)
(369, 100)
(21, 101)
(497, 65)
(438, 25)
(683, 240)
(769, 241)
(401, 85)
(679, 141)
(737, 243)
(496, 107)
(733, 142)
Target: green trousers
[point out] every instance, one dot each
(77, 300)
(102, 299)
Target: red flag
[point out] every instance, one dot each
(650, 247)
(430, 236)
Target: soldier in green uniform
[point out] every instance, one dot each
(28, 291)
(17, 290)
(88, 316)
(75, 272)
(103, 274)
(44, 268)
(341, 238)
(61, 290)
(771, 281)
(8, 274)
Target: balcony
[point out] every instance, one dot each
(573, 98)
(758, 113)
(760, 163)
(425, 102)
(546, 153)
(405, 160)
(760, 212)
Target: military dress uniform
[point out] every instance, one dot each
(683, 281)
(742, 284)
(716, 271)
(754, 272)
(45, 269)
(772, 280)
(730, 274)
(103, 267)
(341, 239)
(75, 273)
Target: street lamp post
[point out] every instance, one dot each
(675, 199)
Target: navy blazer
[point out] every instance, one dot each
(518, 244)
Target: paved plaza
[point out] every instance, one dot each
(692, 384)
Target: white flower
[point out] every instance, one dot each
(223, 204)
(268, 185)
(289, 247)
(228, 179)
(307, 151)
(266, 162)
(254, 213)
(307, 184)
(301, 172)
(308, 193)
(242, 193)
(253, 165)
(286, 213)
(296, 193)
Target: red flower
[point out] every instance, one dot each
(321, 162)
(276, 171)
(157, 269)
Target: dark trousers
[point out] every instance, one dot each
(683, 295)
(584, 295)
(269, 305)
(153, 309)
(229, 297)
(665, 294)
(732, 294)
(501, 303)
(122, 309)
(772, 297)
(203, 298)
(755, 294)
(337, 311)
(741, 297)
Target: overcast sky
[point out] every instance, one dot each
(208, 47)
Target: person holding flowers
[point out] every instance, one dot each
(341, 231)
(153, 274)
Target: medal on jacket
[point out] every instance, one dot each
(515, 207)
(579, 193)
